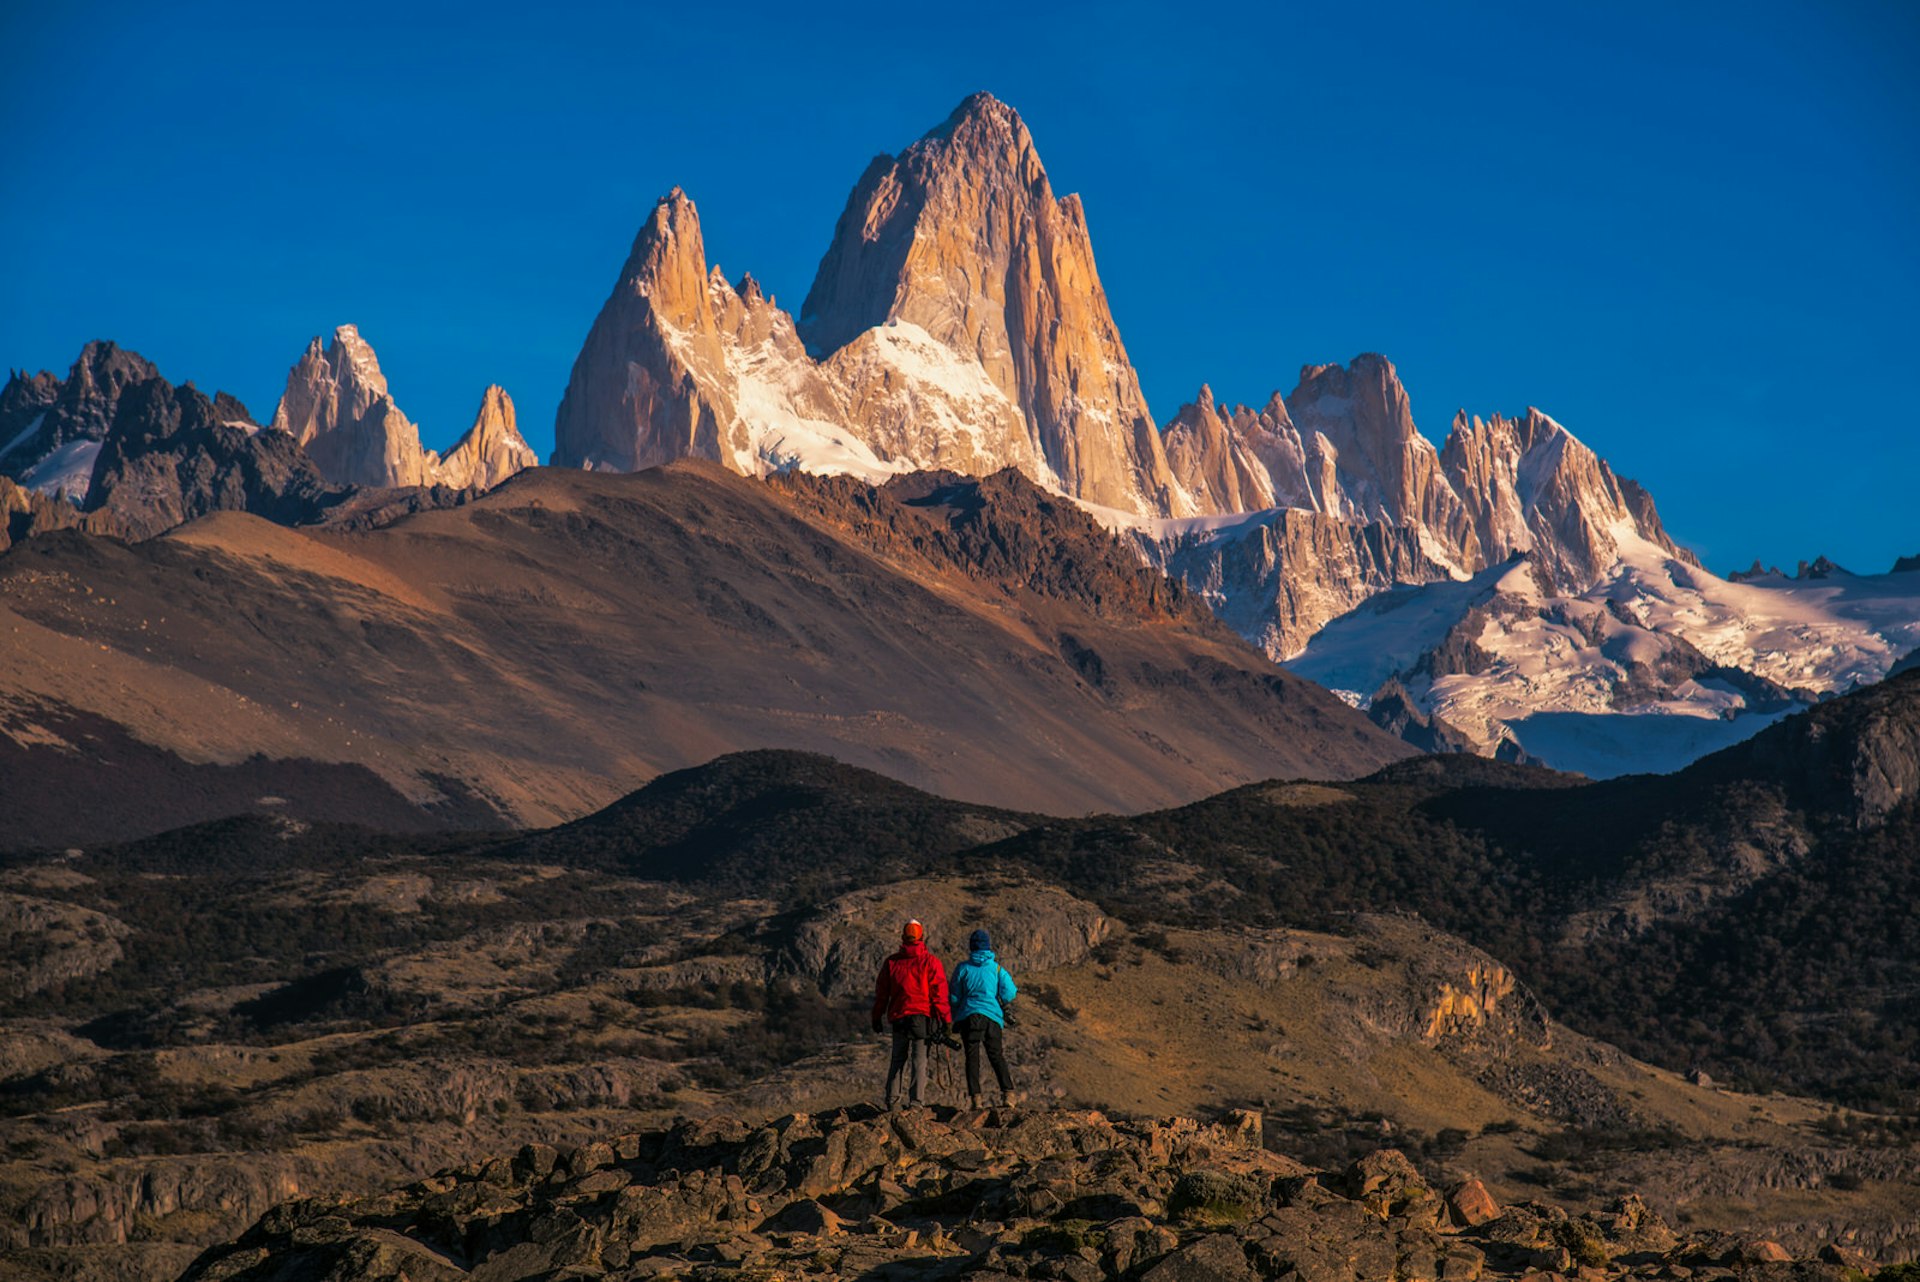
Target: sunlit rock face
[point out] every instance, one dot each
(337, 407)
(961, 238)
(957, 322)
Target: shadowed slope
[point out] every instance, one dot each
(550, 646)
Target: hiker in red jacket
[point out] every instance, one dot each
(912, 997)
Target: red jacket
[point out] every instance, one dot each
(912, 982)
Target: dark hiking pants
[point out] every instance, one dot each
(977, 1031)
(909, 1043)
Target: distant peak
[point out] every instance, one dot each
(979, 107)
(495, 416)
(980, 125)
(358, 354)
(674, 220)
(103, 359)
(1335, 379)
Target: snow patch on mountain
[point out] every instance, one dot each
(766, 386)
(25, 434)
(68, 471)
(1655, 665)
(1828, 635)
(1388, 634)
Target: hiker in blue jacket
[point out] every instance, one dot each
(979, 990)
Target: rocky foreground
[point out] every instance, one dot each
(937, 1193)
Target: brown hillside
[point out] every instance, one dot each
(550, 646)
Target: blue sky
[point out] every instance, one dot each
(1686, 232)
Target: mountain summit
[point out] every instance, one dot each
(962, 238)
(338, 408)
(957, 322)
(51, 428)
(680, 364)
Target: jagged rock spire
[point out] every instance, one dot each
(338, 409)
(492, 450)
(1022, 368)
(962, 237)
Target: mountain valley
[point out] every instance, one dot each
(417, 862)
(243, 1012)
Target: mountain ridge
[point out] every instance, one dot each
(957, 324)
(534, 649)
(692, 956)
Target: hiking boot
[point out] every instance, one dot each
(973, 1102)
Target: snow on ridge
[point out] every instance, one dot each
(1389, 631)
(925, 359)
(782, 438)
(1563, 670)
(1173, 529)
(1828, 635)
(935, 390)
(1537, 465)
(68, 471)
(25, 435)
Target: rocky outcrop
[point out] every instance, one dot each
(1004, 530)
(1530, 486)
(1858, 757)
(25, 513)
(1385, 469)
(491, 451)
(173, 454)
(838, 949)
(1398, 713)
(680, 364)
(338, 409)
(1754, 571)
(152, 456)
(997, 1194)
(1244, 460)
(70, 942)
(51, 429)
(1276, 577)
(1343, 445)
(24, 402)
(1372, 505)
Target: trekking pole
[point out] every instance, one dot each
(945, 1081)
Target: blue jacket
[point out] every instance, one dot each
(980, 987)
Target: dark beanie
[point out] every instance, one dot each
(979, 942)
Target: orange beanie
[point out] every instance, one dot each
(912, 933)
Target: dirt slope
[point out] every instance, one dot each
(541, 651)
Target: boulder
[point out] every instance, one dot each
(1218, 1258)
(1469, 1204)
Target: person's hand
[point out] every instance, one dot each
(878, 1027)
